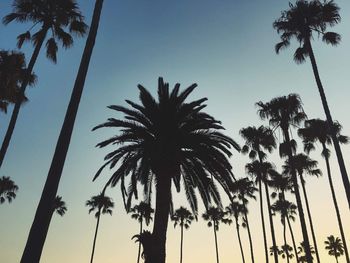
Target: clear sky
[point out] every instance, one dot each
(225, 46)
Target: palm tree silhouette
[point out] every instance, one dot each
(256, 141)
(182, 217)
(303, 163)
(301, 21)
(286, 252)
(214, 216)
(37, 232)
(302, 252)
(59, 206)
(283, 112)
(8, 189)
(53, 17)
(334, 246)
(319, 130)
(169, 139)
(103, 205)
(140, 212)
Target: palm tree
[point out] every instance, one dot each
(59, 206)
(103, 205)
(302, 21)
(169, 139)
(258, 140)
(302, 252)
(286, 252)
(283, 112)
(237, 210)
(243, 189)
(334, 246)
(182, 217)
(8, 189)
(140, 212)
(214, 216)
(303, 163)
(52, 17)
(319, 130)
(37, 233)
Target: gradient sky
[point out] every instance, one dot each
(225, 46)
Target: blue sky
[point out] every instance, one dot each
(227, 47)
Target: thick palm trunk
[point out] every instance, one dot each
(310, 218)
(182, 240)
(250, 237)
(298, 199)
(293, 240)
(17, 107)
(38, 230)
(263, 222)
(139, 252)
(338, 151)
(335, 202)
(285, 239)
(216, 243)
(239, 240)
(95, 237)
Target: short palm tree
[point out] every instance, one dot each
(166, 140)
(334, 246)
(182, 217)
(284, 112)
(59, 206)
(317, 130)
(257, 141)
(102, 204)
(142, 212)
(302, 252)
(8, 189)
(302, 21)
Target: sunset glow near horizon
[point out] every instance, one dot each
(227, 47)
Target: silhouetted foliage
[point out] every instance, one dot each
(8, 189)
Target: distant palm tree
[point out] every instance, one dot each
(142, 211)
(53, 17)
(8, 189)
(302, 21)
(59, 206)
(286, 252)
(182, 217)
(317, 130)
(258, 140)
(302, 252)
(334, 246)
(283, 112)
(103, 205)
(164, 141)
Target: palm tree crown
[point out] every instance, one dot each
(182, 217)
(142, 211)
(59, 206)
(103, 204)
(8, 189)
(334, 246)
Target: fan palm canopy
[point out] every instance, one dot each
(101, 203)
(182, 217)
(243, 189)
(280, 182)
(334, 245)
(285, 208)
(142, 211)
(236, 210)
(8, 189)
(214, 215)
(259, 171)
(59, 206)
(302, 163)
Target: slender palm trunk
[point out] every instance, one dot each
(250, 237)
(293, 239)
(298, 199)
(335, 202)
(17, 107)
(216, 243)
(263, 222)
(95, 237)
(309, 215)
(285, 238)
(139, 252)
(38, 231)
(182, 240)
(239, 240)
(336, 258)
(338, 151)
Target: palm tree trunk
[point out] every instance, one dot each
(271, 222)
(216, 243)
(336, 258)
(95, 237)
(298, 199)
(37, 232)
(285, 239)
(310, 218)
(182, 240)
(263, 222)
(17, 107)
(293, 239)
(335, 202)
(139, 252)
(338, 151)
(239, 240)
(250, 237)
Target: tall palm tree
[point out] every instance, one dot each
(243, 189)
(214, 216)
(317, 130)
(54, 18)
(36, 237)
(102, 204)
(142, 212)
(334, 246)
(169, 139)
(284, 112)
(182, 217)
(8, 189)
(302, 252)
(303, 163)
(286, 252)
(59, 206)
(257, 141)
(237, 210)
(302, 21)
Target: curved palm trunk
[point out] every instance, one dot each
(139, 252)
(285, 238)
(216, 243)
(263, 222)
(38, 231)
(309, 215)
(95, 237)
(17, 107)
(298, 199)
(181, 243)
(250, 237)
(338, 151)
(340, 224)
(293, 240)
(239, 240)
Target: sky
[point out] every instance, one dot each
(225, 46)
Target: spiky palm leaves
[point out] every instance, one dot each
(8, 189)
(334, 246)
(59, 206)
